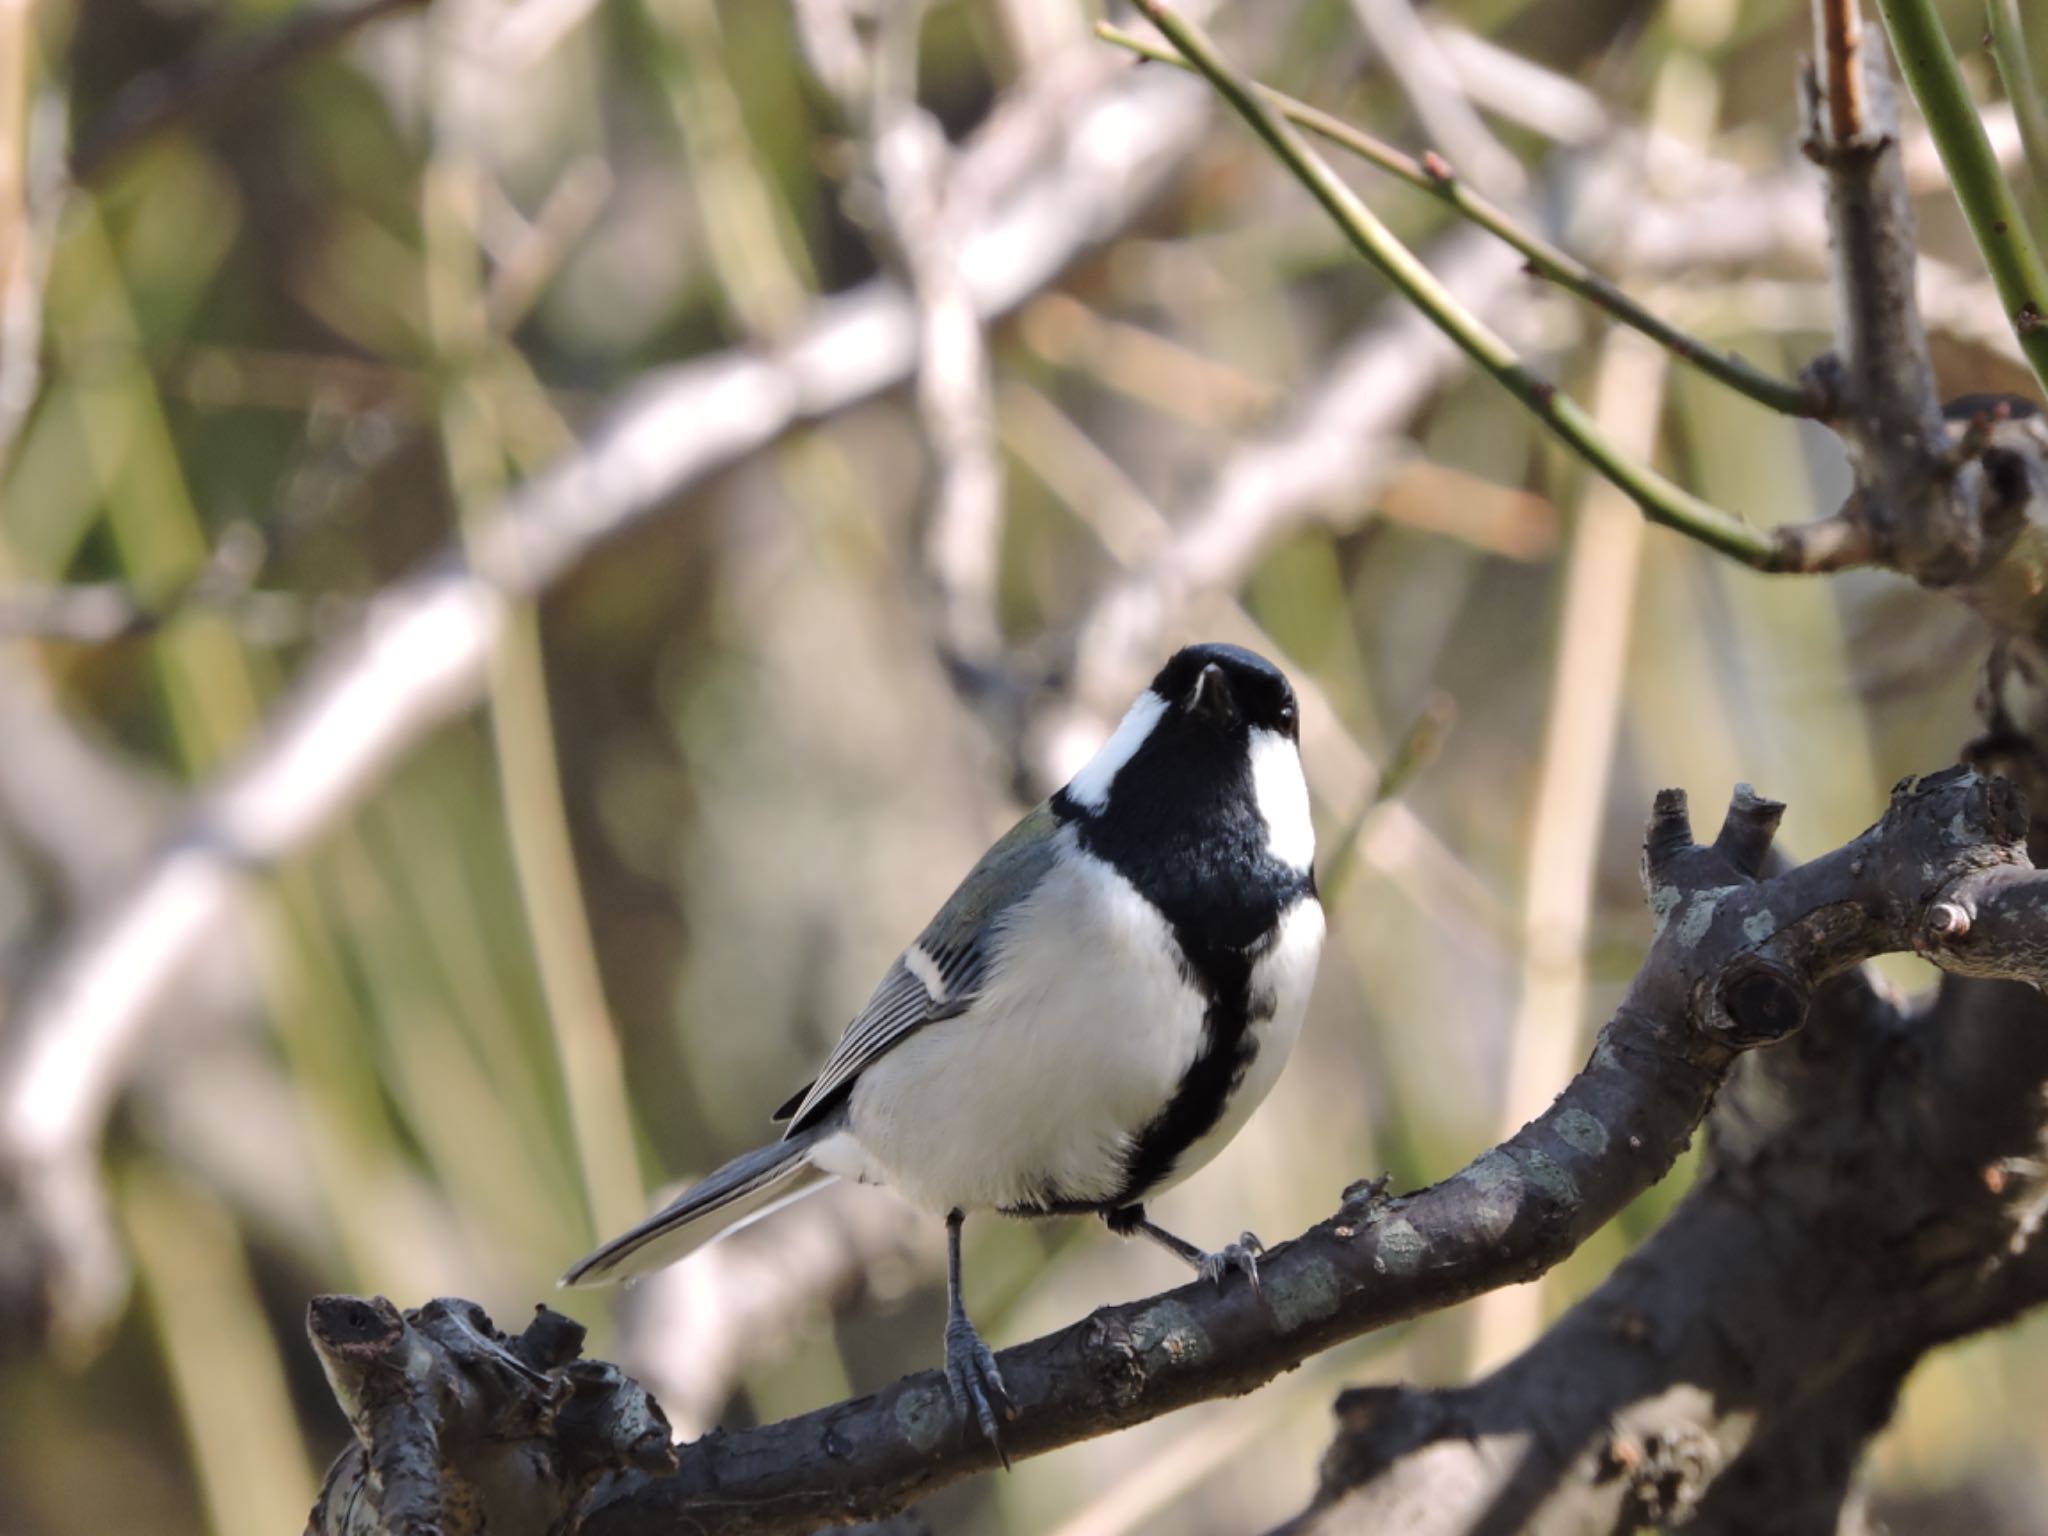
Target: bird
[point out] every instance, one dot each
(1092, 1015)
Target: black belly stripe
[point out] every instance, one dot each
(1223, 896)
(1205, 1090)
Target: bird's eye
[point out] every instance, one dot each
(1287, 714)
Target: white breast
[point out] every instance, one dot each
(1078, 1041)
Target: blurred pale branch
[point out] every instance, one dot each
(1447, 115)
(97, 613)
(1211, 425)
(1572, 777)
(1327, 458)
(1819, 548)
(1432, 174)
(927, 206)
(692, 1332)
(32, 203)
(419, 657)
(1561, 109)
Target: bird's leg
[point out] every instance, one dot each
(1242, 1255)
(972, 1380)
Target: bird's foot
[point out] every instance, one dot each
(974, 1383)
(1242, 1256)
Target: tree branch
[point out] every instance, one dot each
(1733, 1368)
(1661, 501)
(1433, 175)
(1892, 422)
(1733, 964)
(1742, 1356)
(691, 1332)
(461, 1429)
(1996, 223)
(1798, 1471)
(418, 657)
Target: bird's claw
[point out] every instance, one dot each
(974, 1383)
(1242, 1256)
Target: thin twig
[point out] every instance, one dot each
(1996, 224)
(1842, 30)
(1660, 500)
(1432, 175)
(1416, 750)
(2022, 90)
(1325, 460)
(1558, 108)
(1890, 418)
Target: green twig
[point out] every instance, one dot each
(1660, 500)
(1416, 750)
(1431, 174)
(2016, 69)
(1931, 73)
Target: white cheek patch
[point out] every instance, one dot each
(1282, 795)
(1089, 788)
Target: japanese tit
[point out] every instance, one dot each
(1096, 1011)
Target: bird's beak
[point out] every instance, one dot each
(1211, 698)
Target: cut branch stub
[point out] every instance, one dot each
(1747, 830)
(1758, 1001)
(1733, 960)
(1751, 952)
(462, 1430)
(1670, 834)
(1731, 950)
(1783, 1279)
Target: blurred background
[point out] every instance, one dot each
(581, 872)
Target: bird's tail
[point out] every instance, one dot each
(749, 1186)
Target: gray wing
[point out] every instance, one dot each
(944, 969)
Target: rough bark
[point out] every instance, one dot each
(1874, 1188)
(1737, 957)
(1853, 1213)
